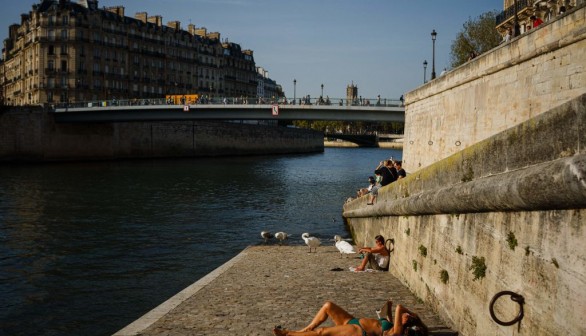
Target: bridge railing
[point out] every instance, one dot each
(382, 102)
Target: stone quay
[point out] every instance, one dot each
(265, 286)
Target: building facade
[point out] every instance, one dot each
(267, 88)
(523, 10)
(66, 51)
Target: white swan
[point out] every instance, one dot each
(312, 242)
(266, 235)
(343, 246)
(281, 236)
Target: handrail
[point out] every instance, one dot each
(203, 100)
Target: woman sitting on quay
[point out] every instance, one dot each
(405, 323)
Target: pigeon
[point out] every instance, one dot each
(266, 235)
(312, 242)
(343, 246)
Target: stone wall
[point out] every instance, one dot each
(517, 200)
(31, 134)
(497, 90)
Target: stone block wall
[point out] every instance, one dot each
(516, 202)
(31, 134)
(497, 90)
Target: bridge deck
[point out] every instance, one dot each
(229, 112)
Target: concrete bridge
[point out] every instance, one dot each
(114, 111)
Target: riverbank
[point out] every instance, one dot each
(348, 144)
(265, 286)
(31, 134)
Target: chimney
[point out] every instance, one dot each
(201, 31)
(118, 10)
(157, 20)
(174, 24)
(191, 29)
(214, 36)
(142, 16)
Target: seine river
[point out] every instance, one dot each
(86, 248)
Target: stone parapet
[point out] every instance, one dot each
(513, 83)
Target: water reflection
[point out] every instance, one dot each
(86, 248)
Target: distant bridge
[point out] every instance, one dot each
(115, 111)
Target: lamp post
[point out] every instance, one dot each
(433, 36)
(424, 71)
(517, 26)
(322, 90)
(294, 90)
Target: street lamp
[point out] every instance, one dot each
(517, 26)
(294, 90)
(433, 36)
(322, 90)
(424, 71)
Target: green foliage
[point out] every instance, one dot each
(527, 251)
(408, 231)
(511, 240)
(478, 268)
(444, 276)
(423, 250)
(357, 127)
(477, 35)
(414, 265)
(459, 250)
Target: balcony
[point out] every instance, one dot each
(509, 13)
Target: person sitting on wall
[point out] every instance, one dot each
(376, 258)
(388, 175)
(405, 322)
(365, 191)
(400, 171)
(536, 21)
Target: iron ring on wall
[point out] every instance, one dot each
(514, 297)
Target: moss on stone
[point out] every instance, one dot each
(511, 240)
(478, 267)
(444, 276)
(423, 251)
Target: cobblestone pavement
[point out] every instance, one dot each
(283, 285)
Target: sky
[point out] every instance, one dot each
(378, 45)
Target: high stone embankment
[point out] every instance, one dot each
(30, 134)
(495, 199)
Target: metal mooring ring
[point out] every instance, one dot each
(514, 297)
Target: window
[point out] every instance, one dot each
(64, 34)
(50, 64)
(65, 20)
(51, 50)
(64, 65)
(64, 50)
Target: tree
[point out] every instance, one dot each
(478, 36)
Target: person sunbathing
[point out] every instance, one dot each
(405, 322)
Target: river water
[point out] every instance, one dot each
(86, 248)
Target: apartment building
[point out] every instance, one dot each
(523, 10)
(72, 51)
